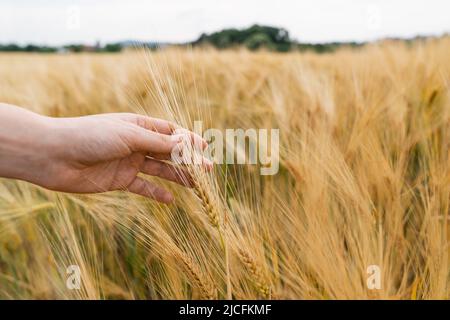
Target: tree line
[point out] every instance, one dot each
(253, 38)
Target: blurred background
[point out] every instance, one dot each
(93, 25)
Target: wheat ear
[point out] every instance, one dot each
(257, 276)
(213, 216)
(207, 204)
(196, 275)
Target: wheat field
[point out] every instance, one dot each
(364, 178)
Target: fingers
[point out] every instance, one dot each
(163, 127)
(183, 154)
(147, 189)
(146, 141)
(161, 146)
(149, 123)
(194, 138)
(155, 124)
(205, 162)
(165, 140)
(167, 171)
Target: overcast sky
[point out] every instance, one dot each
(67, 21)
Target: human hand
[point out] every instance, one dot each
(99, 153)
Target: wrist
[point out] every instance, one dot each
(25, 144)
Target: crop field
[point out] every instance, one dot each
(359, 208)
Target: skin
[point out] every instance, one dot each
(92, 154)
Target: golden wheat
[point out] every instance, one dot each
(255, 271)
(364, 178)
(206, 288)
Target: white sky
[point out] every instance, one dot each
(67, 21)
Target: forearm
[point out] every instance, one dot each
(24, 145)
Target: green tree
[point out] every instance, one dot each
(259, 40)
